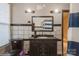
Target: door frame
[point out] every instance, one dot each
(62, 31)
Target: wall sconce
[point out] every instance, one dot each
(55, 11)
(51, 11)
(29, 11)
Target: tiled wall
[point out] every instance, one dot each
(25, 32)
(21, 32)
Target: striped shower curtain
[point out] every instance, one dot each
(73, 34)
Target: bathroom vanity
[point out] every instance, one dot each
(43, 47)
(39, 46)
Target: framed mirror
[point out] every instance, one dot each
(42, 23)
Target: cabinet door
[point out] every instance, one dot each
(17, 45)
(35, 48)
(50, 48)
(43, 48)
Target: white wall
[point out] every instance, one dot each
(4, 13)
(4, 23)
(19, 15)
(74, 7)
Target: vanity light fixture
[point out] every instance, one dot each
(51, 11)
(55, 11)
(29, 11)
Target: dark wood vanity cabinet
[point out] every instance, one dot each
(43, 47)
(17, 44)
(38, 47)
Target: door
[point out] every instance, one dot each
(65, 16)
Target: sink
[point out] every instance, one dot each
(46, 38)
(42, 37)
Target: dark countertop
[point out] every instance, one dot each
(40, 38)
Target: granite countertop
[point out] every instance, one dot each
(40, 38)
(43, 38)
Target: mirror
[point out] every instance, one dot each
(42, 23)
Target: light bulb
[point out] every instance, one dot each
(56, 11)
(29, 10)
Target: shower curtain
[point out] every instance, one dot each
(73, 34)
